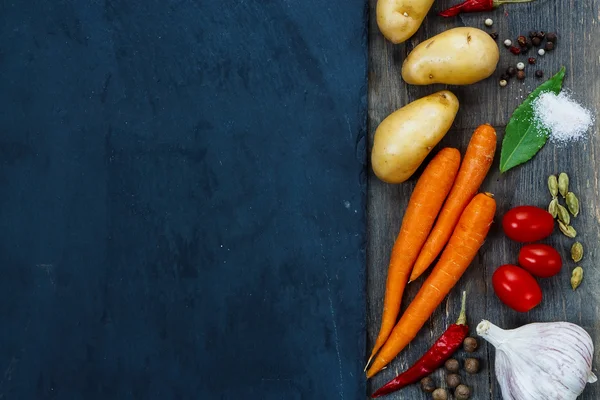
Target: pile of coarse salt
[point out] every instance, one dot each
(566, 119)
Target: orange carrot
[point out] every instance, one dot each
(423, 207)
(469, 235)
(475, 166)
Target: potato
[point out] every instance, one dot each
(398, 20)
(459, 56)
(405, 137)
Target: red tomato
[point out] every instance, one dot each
(527, 224)
(516, 288)
(540, 259)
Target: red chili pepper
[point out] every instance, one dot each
(477, 6)
(435, 357)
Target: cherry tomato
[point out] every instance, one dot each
(527, 224)
(540, 259)
(516, 288)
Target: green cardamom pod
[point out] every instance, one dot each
(563, 214)
(553, 185)
(553, 207)
(572, 203)
(567, 230)
(563, 184)
(576, 277)
(577, 251)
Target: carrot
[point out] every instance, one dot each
(423, 207)
(475, 166)
(469, 235)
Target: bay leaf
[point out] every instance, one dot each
(524, 137)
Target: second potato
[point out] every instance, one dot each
(459, 56)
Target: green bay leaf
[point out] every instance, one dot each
(524, 137)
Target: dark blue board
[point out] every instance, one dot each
(182, 198)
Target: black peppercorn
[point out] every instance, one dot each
(453, 380)
(539, 73)
(440, 394)
(427, 384)
(511, 71)
(536, 41)
(549, 46)
(494, 35)
(472, 365)
(521, 75)
(452, 365)
(462, 392)
(522, 40)
(504, 77)
(532, 34)
(531, 60)
(551, 37)
(524, 50)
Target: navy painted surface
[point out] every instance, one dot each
(182, 199)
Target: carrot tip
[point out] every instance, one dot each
(369, 362)
(488, 194)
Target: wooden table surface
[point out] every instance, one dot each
(576, 23)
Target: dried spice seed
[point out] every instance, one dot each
(541, 34)
(515, 50)
(563, 215)
(532, 34)
(521, 75)
(553, 207)
(503, 82)
(427, 384)
(453, 380)
(508, 43)
(577, 251)
(572, 203)
(494, 35)
(539, 73)
(505, 77)
(472, 365)
(567, 230)
(511, 71)
(536, 41)
(452, 365)
(541, 52)
(488, 22)
(470, 344)
(520, 66)
(440, 394)
(551, 37)
(522, 40)
(549, 46)
(563, 184)
(462, 392)
(531, 60)
(553, 185)
(576, 277)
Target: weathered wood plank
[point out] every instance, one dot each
(579, 39)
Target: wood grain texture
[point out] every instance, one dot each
(577, 24)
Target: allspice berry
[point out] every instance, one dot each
(470, 343)
(549, 46)
(452, 365)
(472, 365)
(453, 380)
(521, 75)
(462, 392)
(440, 394)
(539, 73)
(536, 41)
(427, 385)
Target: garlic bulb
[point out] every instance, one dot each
(541, 361)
